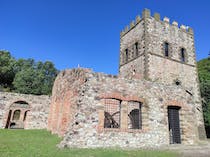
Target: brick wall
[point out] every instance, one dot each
(64, 100)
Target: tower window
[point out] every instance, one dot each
(137, 48)
(126, 55)
(166, 49)
(182, 55)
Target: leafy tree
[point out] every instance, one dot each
(6, 69)
(204, 77)
(48, 73)
(26, 81)
(34, 78)
(26, 75)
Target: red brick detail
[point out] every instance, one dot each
(66, 113)
(177, 103)
(116, 95)
(64, 99)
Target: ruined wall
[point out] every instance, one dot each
(64, 100)
(86, 128)
(38, 109)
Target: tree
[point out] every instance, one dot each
(6, 69)
(48, 72)
(34, 77)
(204, 77)
(26, 82)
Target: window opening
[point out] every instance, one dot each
(137, 48)
(112, 113)
(134, 115)
(16, 115)
(182, 54)
(126, 55)
(25, 115)
(166, 45)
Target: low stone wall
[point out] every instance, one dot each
(38, 109)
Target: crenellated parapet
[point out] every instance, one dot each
(147, 14)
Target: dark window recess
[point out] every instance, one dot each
(8, 119)
(166, 49)
(135, 119)
(182, 54)
(137, 48)
(16, 115)
(126, 55)
(178, 82)
(134, 116)
(25, 114)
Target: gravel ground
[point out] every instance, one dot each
(201, 150)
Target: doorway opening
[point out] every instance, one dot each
(174, 125)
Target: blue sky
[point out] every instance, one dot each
(86, 32)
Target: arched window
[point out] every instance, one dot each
(25, 115)
(182, 55)
(166, 49)
(134, 115)
(16, 115)
(112, 113)
(20, 104)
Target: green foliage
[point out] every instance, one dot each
(34, 78)
(40, 143)
(6, 69)
(25, 75)
(204, 77)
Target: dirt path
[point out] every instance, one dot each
(192, 151)
(196, 152)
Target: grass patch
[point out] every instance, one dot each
(40, 143)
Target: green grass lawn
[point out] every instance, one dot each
(40, 143)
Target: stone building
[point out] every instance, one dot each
(154, 101)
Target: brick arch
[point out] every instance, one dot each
(114, 95)
(20, 100)
(119, 96)
(178, 104)
(9, 104)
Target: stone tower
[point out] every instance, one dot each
(155, 50)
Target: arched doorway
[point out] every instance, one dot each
(17, 115)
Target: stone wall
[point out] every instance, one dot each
(86, 127)
(37, 112)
